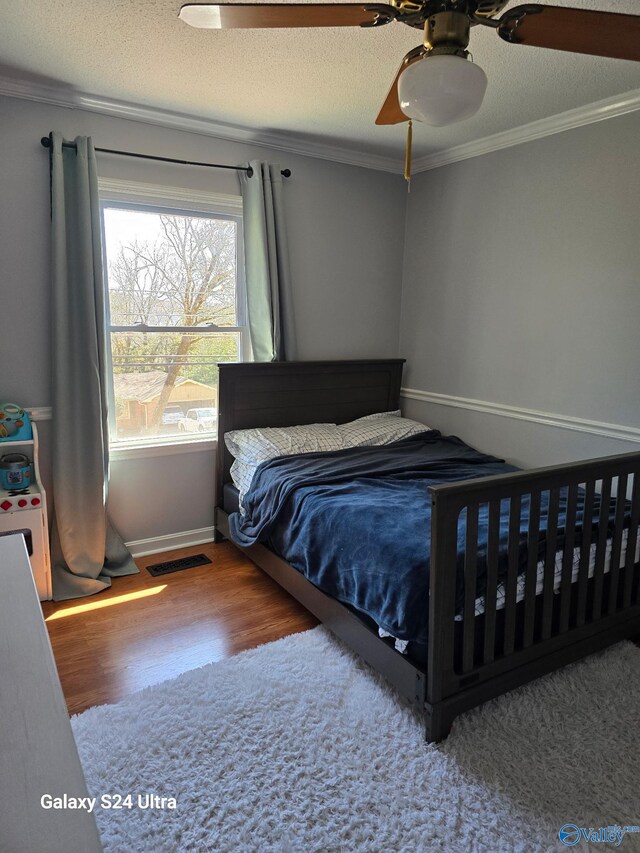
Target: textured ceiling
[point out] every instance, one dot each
(326, 85)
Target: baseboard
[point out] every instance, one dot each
(158, 544)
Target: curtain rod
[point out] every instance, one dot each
(46, 143)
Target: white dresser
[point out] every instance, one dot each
(38, 754)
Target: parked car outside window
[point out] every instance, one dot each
(172, 415)
(198, 420)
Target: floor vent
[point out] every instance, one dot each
(158, 569)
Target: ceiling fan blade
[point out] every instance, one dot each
(390, 112)
(249, 15)
(576, 30)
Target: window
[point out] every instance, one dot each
(176, 307)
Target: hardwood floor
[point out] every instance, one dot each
(144, 629)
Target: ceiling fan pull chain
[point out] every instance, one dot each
(407, 159)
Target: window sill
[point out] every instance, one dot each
(138, 450)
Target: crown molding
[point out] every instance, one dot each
(72, 99)
(66, 97)
(608, 430)
(617, 105)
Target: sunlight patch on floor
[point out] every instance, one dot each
(107, 602)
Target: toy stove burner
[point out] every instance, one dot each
(23, 492)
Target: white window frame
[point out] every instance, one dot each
(129, 195)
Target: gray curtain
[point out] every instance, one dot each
(269, 299)
(85, 549)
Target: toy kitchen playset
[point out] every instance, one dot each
(23, 502)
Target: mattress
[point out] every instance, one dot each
(480, 603)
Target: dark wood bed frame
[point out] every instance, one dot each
(479, 658)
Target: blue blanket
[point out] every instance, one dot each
(357, 522)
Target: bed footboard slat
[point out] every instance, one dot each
(616, 545)
(441, 678)
(511, 582)
(470, 586)
(601, 548)
(493, 547)
(550, 562)
(585, 552)
(567, 557)
(629, 563)
(531, 577)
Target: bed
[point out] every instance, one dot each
(501, 602)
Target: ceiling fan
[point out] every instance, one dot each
(436, 82)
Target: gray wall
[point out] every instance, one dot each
(522, 287)
(346, 229)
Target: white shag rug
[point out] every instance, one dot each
(298, 746)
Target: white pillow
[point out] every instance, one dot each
(250, 447)
(379, 429)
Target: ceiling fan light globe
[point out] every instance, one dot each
(442, 89)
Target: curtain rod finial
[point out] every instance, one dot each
(45, 142)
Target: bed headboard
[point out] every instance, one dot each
(288, 393)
